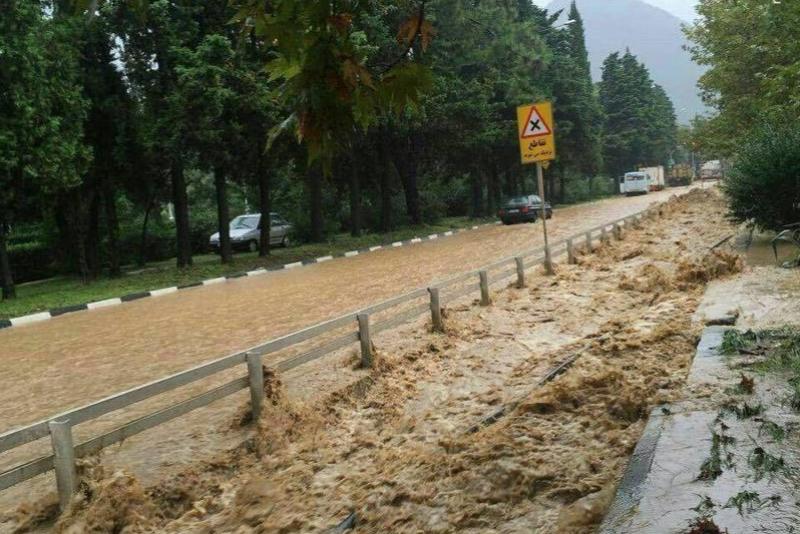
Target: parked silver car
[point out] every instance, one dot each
(246, 232)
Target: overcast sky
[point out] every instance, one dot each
(683, 9)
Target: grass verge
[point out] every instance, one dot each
(68, 291)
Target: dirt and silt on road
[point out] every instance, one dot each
(394, 449)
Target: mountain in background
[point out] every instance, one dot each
(683, 9)
(652, 34)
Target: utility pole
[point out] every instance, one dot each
(537, 145)
(548, 261)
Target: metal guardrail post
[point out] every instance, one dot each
(571, 253)
(520, 272)
(548, 261)
(255, 373)
(366, 341)
(436, 310)
(484, 278)
(64, 452)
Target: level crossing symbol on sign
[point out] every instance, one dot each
(535, 125)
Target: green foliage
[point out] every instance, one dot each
(112, 109)
(41, 106)
(640, 127)
(764, 463)
(578, 115)
(321, 60)
(773, 430)
(753, 57)
(745, 410)
(734, 341)
(763, 187)
(711, 468)
(744, 501)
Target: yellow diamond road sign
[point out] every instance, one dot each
(535, 130)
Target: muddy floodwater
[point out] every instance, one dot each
(760, 250)
(79, 358)
(390, 447)
(74, 359)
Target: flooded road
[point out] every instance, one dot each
(79, 358)
(75, 359)
(392, 443)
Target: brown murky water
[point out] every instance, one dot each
(760, 251)
(74, 359)
(393, 446)
(79, 358)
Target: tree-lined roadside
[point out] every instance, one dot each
(133, 130)
(67, 291)
(751, 51)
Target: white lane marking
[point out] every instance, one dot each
(433, 236)
(376, 247)
(161, 292)
(351, 254)
(29, 319)
(324, 258)
(416, 240)
(474, 227)
(293, 265)
(213, 281)
(104, 303)
(397, 244)
(257, 272)
(449, 232)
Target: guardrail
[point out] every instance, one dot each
(59, 427)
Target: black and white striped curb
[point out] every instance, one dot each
(49, 314)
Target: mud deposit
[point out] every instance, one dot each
(393, 448)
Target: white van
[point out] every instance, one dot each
(635, 183)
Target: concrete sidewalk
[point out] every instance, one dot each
(661, 490)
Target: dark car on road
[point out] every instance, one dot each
(524, 209)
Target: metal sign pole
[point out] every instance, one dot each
(548, 262)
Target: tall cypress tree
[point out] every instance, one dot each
(577, 110)
(42, 151)
(640, 126)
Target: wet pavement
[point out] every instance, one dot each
(664, 489)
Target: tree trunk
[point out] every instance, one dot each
(477, 195)
(355, 199)
(550, 180)
(314, 174)
(266, 208)
(410, 185)
(112, 229)
(223, 216)
(385, 170)
(74, 231)
(143, 241)
(93, 237)
(511, 182)
(493, 186)
(181, 204)
(9, 292)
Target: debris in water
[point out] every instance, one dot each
(744, 501)
(705, 525)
